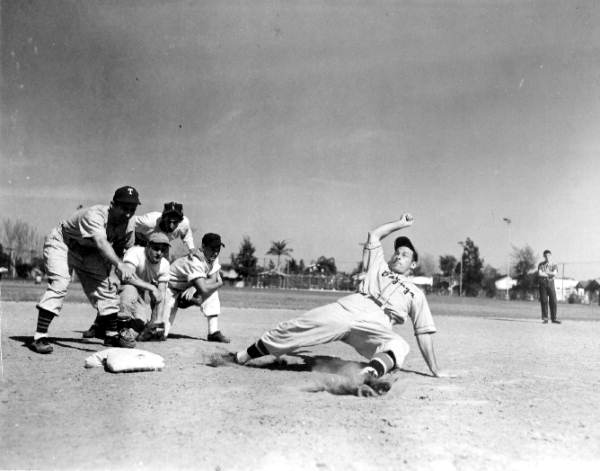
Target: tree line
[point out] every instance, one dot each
(21, 245)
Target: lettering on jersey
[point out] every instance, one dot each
(396, 280)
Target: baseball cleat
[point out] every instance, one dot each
(41, 345)
(95, 331)
(217, 337)
(556, 321)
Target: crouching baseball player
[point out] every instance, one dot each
(364, 320)
(90, 242)
(194, 281)
(151, 276)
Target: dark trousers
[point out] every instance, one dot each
(548, 297)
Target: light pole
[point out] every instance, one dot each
(508, 221)
(462, 244)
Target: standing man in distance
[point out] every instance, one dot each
(547, 271)
(90, 242)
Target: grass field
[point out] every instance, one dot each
(525, 396)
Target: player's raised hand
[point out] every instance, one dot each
(407, 220)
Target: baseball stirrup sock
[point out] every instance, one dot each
(110, 323)
(44, 320)
(257, 349)
(383, 362)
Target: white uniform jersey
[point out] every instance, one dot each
(153, 273)
(185, 270)
(395, 294)
(146, 224)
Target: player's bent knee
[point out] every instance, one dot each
(400, 350)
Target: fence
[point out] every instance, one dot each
(339, 282)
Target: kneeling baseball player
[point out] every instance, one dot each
(195, 281)
(364, 320)
(151, 276)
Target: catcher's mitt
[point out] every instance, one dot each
(184, 303)
(127, 338)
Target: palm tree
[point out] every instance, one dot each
(278, 248)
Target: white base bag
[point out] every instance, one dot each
(125, 360)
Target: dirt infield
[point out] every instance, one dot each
(526, 398)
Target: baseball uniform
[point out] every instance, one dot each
(363, 320)
(133, 304)
(183, 272)
(69, 247)
(145, 224)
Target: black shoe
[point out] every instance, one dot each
(544, 321)
(95, 331)
(556, 321)
(217, 337)
(41, 345)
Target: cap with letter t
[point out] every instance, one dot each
(212, 241)
(126, 194)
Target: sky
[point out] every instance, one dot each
(312, 121)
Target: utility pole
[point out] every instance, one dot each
(508, 221)
(462, 257)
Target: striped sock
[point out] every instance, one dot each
(43, 322)
(382, 362)
(109, 323)
(257, 349)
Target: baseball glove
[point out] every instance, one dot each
(184, 303)
(127, 338)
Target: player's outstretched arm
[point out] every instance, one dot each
(406, 220)
(425, 342)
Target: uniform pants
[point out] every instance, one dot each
(92, 269)
(210, 307)
(369, 332)
(134, 304)
(548, 298)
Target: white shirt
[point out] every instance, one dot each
(153, 273)
(146, 224)
(395, 294)
(185, 270)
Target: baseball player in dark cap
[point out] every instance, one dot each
(171, 221)
(386, 296)
(195, 281)
(90, 242)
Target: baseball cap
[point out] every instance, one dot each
(404, 241)
(126, 194)
(546, 252)
(173, 208)
(159, 238)
(212, 241)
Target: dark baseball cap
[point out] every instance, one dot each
(212, 241)
(173, 208)
(126, 194)
(404, 241)
(546, 252)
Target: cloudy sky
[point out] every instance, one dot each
(312, 121)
